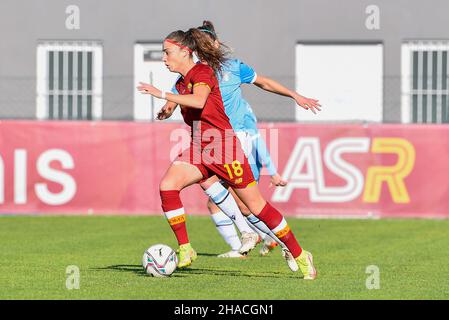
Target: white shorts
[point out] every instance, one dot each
(249, 143)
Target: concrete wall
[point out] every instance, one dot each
(262, 32)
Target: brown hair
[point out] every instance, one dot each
(177, 36)
(197, 41)
(208, 28)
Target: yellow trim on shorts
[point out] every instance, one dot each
(251, 184)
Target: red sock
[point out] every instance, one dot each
(174, 212)
(277, 224)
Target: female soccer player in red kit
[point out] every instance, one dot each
(202, 109)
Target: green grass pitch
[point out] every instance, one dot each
(412, 257)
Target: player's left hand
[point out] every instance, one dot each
(146, 88)
(165, 112)
(277, 181)
(308, 103)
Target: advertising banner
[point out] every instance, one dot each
(375, 170)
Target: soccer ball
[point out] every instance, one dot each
(159, 260)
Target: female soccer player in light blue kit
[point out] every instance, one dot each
(244, 123)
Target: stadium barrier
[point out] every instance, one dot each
(371, 170)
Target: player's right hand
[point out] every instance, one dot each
(308, 103)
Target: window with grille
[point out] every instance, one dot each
(69, 81)
(425, 87)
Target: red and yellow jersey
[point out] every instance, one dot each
(219, 152)
(213, 115)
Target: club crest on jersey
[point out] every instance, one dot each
(238, 181)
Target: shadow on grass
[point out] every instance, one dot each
(180, 273)
(134, 268)
(233, 273)
(207, 254)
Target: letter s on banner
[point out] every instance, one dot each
(67, 181)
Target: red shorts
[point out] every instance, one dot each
(229, 164)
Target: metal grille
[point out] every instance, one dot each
(71, 82)
(429, 90)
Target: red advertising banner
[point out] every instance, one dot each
(332, 170)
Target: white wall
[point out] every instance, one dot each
(345, 78)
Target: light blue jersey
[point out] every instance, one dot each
(234, 73)
(240, 114)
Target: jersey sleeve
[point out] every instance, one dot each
(247, 74)
(204, 77)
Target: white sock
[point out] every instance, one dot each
(225, 227)
(259, 232)
(260, 225)
(225, 201)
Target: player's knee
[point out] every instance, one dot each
(245, 211)
(209, 182)
(256, 206)
(168, 184)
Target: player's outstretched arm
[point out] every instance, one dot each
(271, 85)
(195, 100)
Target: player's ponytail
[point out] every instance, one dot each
(209, 29)
(205, 49)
